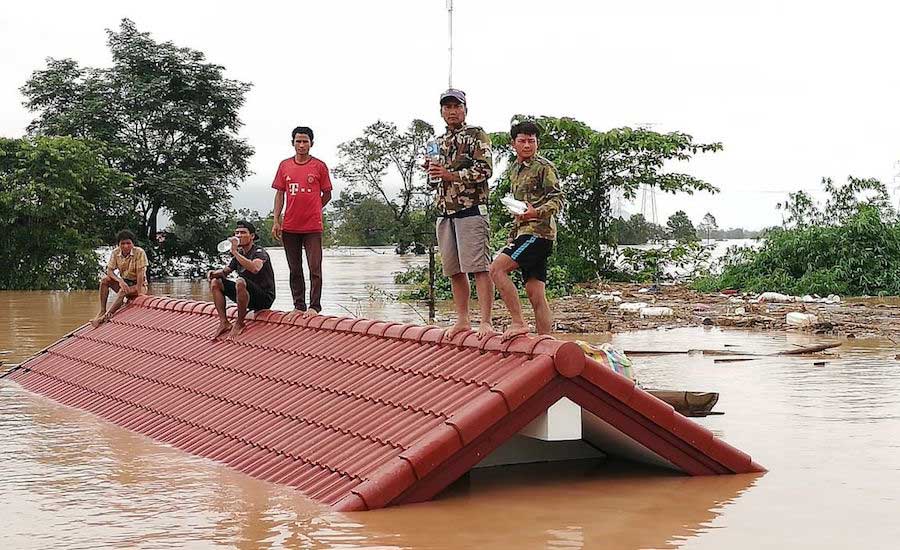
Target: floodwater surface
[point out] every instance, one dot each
(829, 435)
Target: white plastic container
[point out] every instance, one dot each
(514, 206)
(225, 245)
(433, 155)
(775, 297)
(657, 312)
(799, 319)
(632, 307)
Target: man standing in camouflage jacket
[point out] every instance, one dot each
(463, 232)
(533, 179)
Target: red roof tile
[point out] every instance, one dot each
(358, 414)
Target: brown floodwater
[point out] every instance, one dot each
(829, 435)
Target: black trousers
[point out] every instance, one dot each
(294, 245)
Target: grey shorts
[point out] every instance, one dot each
(464, 244)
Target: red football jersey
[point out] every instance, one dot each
(302, 185)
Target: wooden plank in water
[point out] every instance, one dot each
(688, 403)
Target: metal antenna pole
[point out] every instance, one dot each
(450, 33)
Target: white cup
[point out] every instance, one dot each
(225, 245)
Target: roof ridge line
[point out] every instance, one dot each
(539, 345)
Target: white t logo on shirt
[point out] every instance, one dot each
(293, 187)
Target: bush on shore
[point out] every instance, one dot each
(851, 246)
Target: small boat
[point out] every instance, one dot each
(689, 403)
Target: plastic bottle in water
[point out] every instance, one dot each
(433, 155)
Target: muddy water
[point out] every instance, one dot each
(828, 434)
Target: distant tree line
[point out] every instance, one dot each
(637, 230)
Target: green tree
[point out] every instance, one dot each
(681, 228)
(708, 225)
(591, 165)
(634, 230)
(851, 245)
(57, 197)
(800, 208)
(168, 117)
(843, 203)
(362, 220)
(383, 149)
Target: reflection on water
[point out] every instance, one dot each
(586, 504)
(828, 434)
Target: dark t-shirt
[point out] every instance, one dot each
(265, 277)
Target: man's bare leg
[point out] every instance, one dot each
(537, 295)
(117, 303)
(310, 312)
(243, 299)
(218, 292)
(106, 283)
(459, 283)
(500, 270)
(484, 288)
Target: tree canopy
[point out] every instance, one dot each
(681, 228)
(708, 225)
(385, 158)
(59, 201)
(165, 115)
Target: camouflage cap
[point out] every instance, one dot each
(453, 93)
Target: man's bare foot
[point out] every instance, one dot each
(236, 330)
(224, 326)
(293, 313)
(99, 319)
(310, 313)
(451, 332)
(486, 331)
(515, 330)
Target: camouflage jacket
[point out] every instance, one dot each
(466, 151)
(535, 181)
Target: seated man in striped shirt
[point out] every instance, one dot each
(533, 179)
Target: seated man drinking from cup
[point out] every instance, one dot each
(254, 288)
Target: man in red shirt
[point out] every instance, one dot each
(302, 189)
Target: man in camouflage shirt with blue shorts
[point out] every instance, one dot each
(533, 180)
(463, 231)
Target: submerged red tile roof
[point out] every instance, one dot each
(355, 413)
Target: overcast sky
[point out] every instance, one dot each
(795, 90)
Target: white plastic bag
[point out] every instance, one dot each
(800, 319)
